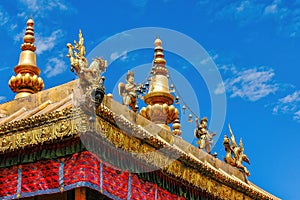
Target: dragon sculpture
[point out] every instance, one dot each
(234, 153)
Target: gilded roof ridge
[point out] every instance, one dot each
(13, 116)
(203, 167)
(37, 109)
(262, 190)
(188, 157)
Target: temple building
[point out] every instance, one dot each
(75, 142)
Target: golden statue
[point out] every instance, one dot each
(91, 84)
(205, 138)
(80, 45)
(76, 54)
(79, 63)
(232, 149)
(128, 91)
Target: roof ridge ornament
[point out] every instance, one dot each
(90, 81)
(26, 81)
(128, 91)
(234, 153)
(205, 138)
(160, 108)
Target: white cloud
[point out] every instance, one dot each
(220, 89)
(291, 98)
(4, 17)
(290, 104)
(242, 12)
(19, 36)
(206, 60)
(40, 6)
(251, 84)
(139, 3)
(2, 98)
(13, 27)
(284, 13)
(116, 55)
(228, 68)
(31, 4)
(42, 43)
(256, 83)
(297, 116)
(272, 8)
(56, 4)
(242, 6)
(21, 14)
(47, 43)
(54, 67)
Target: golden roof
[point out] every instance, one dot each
(23, 120)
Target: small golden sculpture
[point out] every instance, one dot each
(128, 91)
(232, 149)
(79, 63)
(90, 81)
(76, 54)
(205, 138)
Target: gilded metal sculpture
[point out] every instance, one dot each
(159, 100)
(79, 63)
(234, 153)
(90, 82)
(27, 80)
(205, 138)
(128, 91)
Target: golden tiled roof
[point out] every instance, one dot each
(22, 120)
(36, 104)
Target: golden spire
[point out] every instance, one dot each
(26, 81)
(159, 100)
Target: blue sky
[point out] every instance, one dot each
(254, 44)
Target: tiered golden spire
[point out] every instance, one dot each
(159, 100)
(26, 81)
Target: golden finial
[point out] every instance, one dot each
(158, 41)
(26, 81)
(159, 100)
(159, 54)
(29, 37)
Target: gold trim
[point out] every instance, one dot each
(39, 135)
(200, 174)
(36, 121)
(134, 139)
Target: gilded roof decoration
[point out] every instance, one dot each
(159, 100)
(234, 153)
(53, 115)
(209, 172)
(27, 80)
